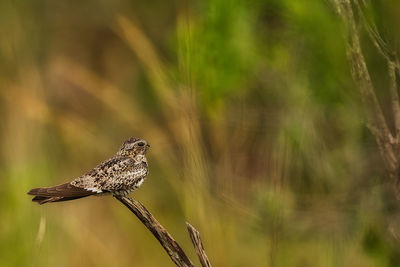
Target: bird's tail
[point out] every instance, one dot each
(63, 192)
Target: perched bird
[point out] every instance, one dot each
(119, 175)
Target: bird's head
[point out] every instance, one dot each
(133, 147)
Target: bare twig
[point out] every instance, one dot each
(394, 96)
(198, 245)
(374, 115)
(373, 33)
(392, 63)
(173, 249)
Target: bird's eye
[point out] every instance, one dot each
(140, 144)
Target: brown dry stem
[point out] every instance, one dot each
(388, 142)
(198, 245)
(173, 249)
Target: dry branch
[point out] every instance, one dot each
(392, 62)
(173, 249)
(388, 143)
(198, 245)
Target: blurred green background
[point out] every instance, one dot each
(256, 132)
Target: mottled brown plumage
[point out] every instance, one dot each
(119, 175)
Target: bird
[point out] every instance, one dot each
(119, 176)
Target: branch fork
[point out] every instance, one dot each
(174, 251)
(388, 141)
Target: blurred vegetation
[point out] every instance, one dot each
(256, 132)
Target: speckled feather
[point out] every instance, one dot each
(119, 175)
(113, 175)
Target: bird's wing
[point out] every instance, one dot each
(118, 173)
(62, 190)
(98, 178)
(58, 193)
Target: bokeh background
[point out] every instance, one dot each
(255, 125)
